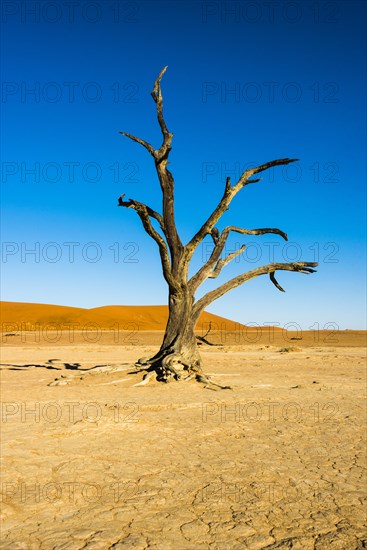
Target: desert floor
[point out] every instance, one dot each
(92, 461)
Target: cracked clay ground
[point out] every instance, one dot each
(277, 462)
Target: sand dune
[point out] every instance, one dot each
(27, 316)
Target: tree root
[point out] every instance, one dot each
(169, 366)
(207, 381)
(145, 380)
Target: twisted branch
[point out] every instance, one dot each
(142, 142)
(162, 152)
(152, 213)
(229, 193)
(223, 262)
(214, 264)
(167, 221)
(209, 297)
(144, 213)
(275, 282)
(165, 177)
(158, 98)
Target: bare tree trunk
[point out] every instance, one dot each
(178, 356)
(180, 330)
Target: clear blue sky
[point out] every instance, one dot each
(247, 82)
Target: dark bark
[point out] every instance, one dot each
(178, 357)
(179, 338)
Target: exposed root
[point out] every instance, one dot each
(207, 381)
(168, 366)
(189, 377)
(165, 366)
(145, 380)
(142, 362)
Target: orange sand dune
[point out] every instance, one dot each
(26, 316)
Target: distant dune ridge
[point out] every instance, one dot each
(27, 316)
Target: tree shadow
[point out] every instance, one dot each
(49, 364)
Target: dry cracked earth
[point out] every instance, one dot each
(91, 461)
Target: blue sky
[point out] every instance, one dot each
(247, 82)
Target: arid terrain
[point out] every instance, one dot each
(90, 460)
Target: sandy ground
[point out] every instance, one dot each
(95, 462)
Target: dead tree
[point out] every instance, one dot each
(178, 357)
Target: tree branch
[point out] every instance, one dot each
(167, 221)
(275, 282)
(165, 177)
(204, 340)
(163, 151)
(261, 168)
(142, 142)
(223, 262)
(209, 297)
(144, 212)
(158, 98)
(229, 193)
(152, 213)
(260, 231)
(220, 241)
